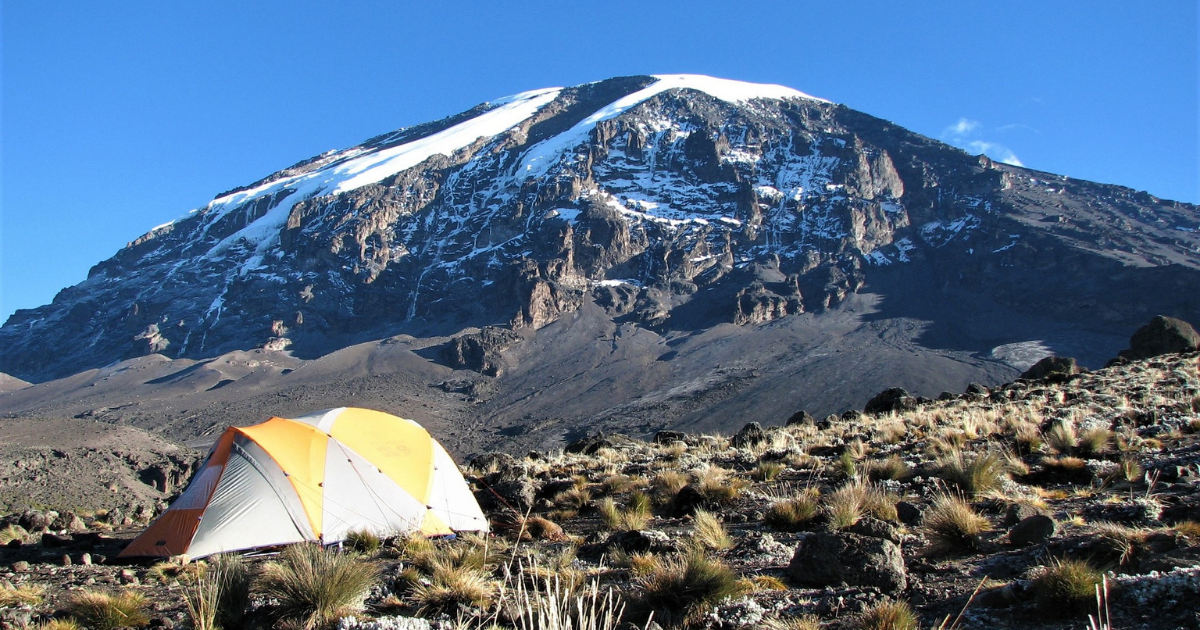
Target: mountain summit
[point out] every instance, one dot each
(668, 206)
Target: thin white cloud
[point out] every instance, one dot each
(965, 134)
(962, 128)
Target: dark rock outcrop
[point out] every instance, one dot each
(827, 559)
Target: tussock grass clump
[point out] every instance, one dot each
(1191, 529)
(1095, 440)
(58, 624)
(718, 486)
(639, 564)
(315, 586)
(687, 585)
(11, 533)
(220, 594)
(1062, 438)
(766, 583)
(792, 514)
(554, 605)
(106, 611)
(973, 473)
(667, 484)
(803, 622)
(767, 471)
(170, 571)
(1066, 587)
(892, 468)
(363, 541)
(896, 615)
(1120, 544)
(846, 505)
(620, 483)
(635, 515)
(709, 531)
(28, 595)
(953, 525)
(450, 586)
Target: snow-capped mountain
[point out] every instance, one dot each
(673, 202)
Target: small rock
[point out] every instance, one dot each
(910, 514)
(889, 400)
(127, 576)
(975, 389)
(66, 560)
(669, 437)
(54, 540)
(687, 501)
(800, 418)
(1018, 512)
(640, 541)
(20, 566)
(1032, 530)
(1052, 369)
(875, 528)
(589, 445)
(750, 435)
(85, 559)
(98, 558)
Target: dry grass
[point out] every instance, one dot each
(107, 611)
(23, 595)
(11, 533)
(687, 585)
(667, 484)
(450, 586)
(953, 525)
(793, 513)
(709, 532)
(718, 485)
(553, 605)
(635, 515)
(1066, 587)
(363, 541)
(315, 586)
(767, 471)
(892, 468)
(639, 564)
(220, 595)
(973, 473)
(802, 622)
(897, 615)
(1062, 438)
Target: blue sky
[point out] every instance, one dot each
(118, 117)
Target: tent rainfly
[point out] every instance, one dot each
(314, 478)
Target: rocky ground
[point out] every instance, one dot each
(977, 501)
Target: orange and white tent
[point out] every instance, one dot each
(314, 478)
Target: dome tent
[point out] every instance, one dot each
(314, 478)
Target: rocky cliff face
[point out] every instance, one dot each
(673, 202)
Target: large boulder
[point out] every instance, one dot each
(1053, 369)
(891, 399)
(830, 558)
(1163, 335)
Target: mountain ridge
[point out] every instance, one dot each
(647, 205)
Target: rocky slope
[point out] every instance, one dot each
(826, 520)
(673, 204)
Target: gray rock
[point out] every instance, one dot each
(828, 559)
(800, 418)
(20, 566)
(1032, 530)
(909, 513)
(875, 528)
